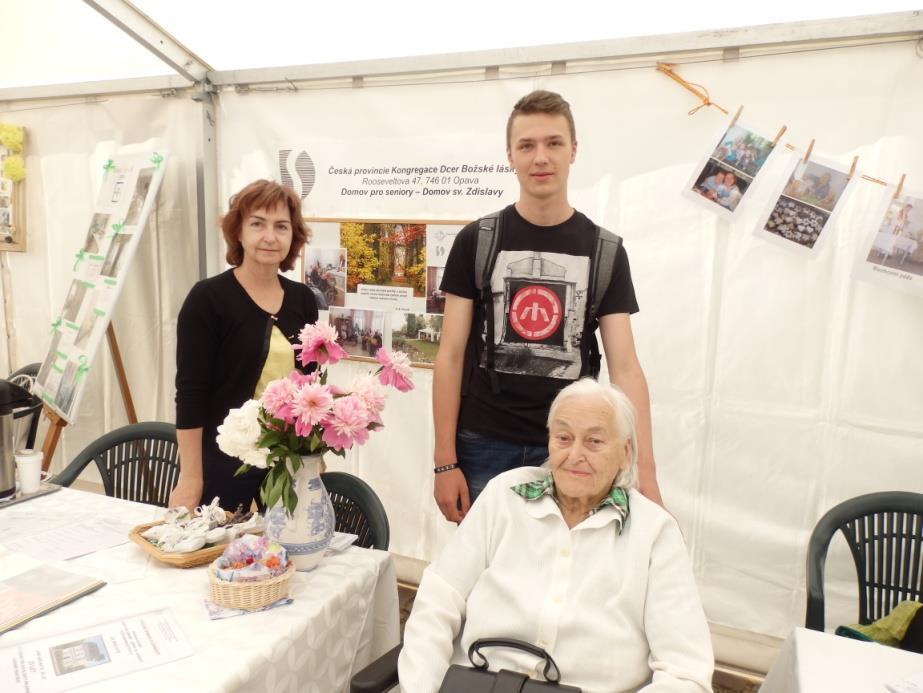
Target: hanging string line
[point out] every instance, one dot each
(697, 89)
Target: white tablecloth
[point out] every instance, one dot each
(815, 662)
(344, 614)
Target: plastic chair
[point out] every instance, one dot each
(884, 532)
(26, 418)
(358, 510)
(138, 462)
(379, 676)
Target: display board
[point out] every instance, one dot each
(380, 281)
(101, 265)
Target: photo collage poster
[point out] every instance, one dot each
(12, 231)
(892, 254)
(379, 282)
(127, 194)
(723, 178)
(802, 212)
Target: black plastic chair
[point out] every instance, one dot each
(379, 676)
(138, 462)
(29, 415)
(885, 535)
(358, 510)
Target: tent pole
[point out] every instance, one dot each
(206, 174)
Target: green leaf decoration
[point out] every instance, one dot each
(81, 256)
(109, 165)
(157, 159)
(57, 323)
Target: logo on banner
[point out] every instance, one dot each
(298, 174)
(535, 312)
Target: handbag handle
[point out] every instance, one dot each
(551, 671)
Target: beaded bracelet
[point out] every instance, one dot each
(445, 468)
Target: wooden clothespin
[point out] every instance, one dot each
(807, 154)
(852, 169)
(900, 186)
(736, 116)
(779, 135)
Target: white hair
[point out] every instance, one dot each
(623, 414)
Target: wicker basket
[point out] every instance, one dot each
(249, 595)
(191, 559)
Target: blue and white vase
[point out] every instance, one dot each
(306, 533)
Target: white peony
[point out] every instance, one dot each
(239, 433)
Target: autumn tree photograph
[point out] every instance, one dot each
(391, 254)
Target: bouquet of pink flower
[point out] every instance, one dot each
(304, 415)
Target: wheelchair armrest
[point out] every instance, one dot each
(378, 676)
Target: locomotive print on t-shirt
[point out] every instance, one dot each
(539, 304)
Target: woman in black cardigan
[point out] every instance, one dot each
(233, 335)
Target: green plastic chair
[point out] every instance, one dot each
(358, 510)
(138, 462)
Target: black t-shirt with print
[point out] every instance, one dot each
(539, 287)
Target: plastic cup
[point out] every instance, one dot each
(29, 466)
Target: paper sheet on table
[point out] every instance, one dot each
(340, 542)
(93, 653)
(72, 540)
(912, 684)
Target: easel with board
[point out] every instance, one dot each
(57, 422)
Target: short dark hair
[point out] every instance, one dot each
(263, 194)
(541, 101)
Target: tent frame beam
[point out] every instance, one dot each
(883, 27)
(145, 31)
(880, 28)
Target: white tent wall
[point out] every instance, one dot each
(68, 142)
(780, 385)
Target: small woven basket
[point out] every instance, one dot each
(249, 595)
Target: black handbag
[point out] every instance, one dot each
(459, 679)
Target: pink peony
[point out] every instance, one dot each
(367, 389)
(301, 379)
(347, 423)
(312, 403)
(395, 369)
(278, 398)
(318, 344)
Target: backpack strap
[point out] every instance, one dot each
(486, 252)
(490, 231)
(602, 267)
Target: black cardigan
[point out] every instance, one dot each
(222, 340)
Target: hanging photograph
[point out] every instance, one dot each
(803, 210)
(723, 178)
(893, 252)
(325, 275)
(360, 332)
(417, 335)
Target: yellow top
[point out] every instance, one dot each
(279, 361)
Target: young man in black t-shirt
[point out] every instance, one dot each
(539, 286)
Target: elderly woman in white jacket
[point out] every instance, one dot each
(571, 558)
